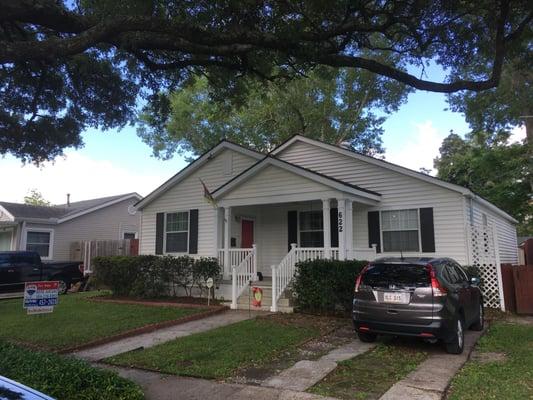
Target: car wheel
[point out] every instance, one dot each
(367, 337)
(457, 344)
(478, 325)
(64, 285)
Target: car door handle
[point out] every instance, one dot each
(36, 269)
(10, 270)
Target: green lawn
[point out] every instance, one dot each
(219, 352)
(509, 379)
(371, 374)
(76, 321)
(63, 378)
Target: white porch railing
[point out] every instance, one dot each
(283, 273)
(236, 256)
(242, 274)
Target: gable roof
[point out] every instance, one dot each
(62, 213)
(393, 167)
(189, 169)
(298, 170)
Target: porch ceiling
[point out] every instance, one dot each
(275, 181)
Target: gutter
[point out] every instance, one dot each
(472, 196)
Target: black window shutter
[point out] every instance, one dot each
(193, 231)
(292, 227)
(334, 221)
(374, 236)
(427, 230)
(159, 232)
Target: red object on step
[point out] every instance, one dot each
(257, 296)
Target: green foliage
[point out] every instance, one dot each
(335, 106)
(326, 286)
(76, 320)
(489, 166)
(149, 276)
(35, 198)
(217, 353)
(64, 378)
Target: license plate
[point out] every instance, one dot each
(395, 297)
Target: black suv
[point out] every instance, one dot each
(430, 298)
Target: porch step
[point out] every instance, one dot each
(245, 300)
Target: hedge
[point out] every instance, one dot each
(64, 378)
(148, 276)
(325, 286)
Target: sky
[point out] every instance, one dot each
(116, 162)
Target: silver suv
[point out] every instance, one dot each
(429, 298)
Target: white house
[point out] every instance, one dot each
(308, 199)
(50, 230)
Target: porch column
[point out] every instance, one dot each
(326, 221)
(227, 241)
(349, 229)
(217, 236)
(341, 207)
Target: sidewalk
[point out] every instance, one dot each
(163, 335)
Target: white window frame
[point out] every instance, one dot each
(381, 230)
(299, 230)
(50, 245)
(188, 231)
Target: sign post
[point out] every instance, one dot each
(41, 297)
(209, 284)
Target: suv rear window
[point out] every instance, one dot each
(401, 275)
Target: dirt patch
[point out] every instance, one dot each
(488, 357)
(335, 332)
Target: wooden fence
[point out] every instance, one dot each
(518, 288)
(88, 250)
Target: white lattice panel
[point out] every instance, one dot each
(484, 255)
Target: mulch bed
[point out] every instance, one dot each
(211, 310)
(181, 302)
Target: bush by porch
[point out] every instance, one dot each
(325, 286)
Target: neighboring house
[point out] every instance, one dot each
(50, 230)
(329, 202)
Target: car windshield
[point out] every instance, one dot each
(400, 275)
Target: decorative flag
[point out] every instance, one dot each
(208, 196)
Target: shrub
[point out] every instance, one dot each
(62, 377)
(150, 276)
(325, 286)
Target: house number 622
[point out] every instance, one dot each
(341, 221)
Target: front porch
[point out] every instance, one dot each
(270, 239)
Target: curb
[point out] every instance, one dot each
(144, 329)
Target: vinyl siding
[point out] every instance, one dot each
(105, 224)
(506, 231)
(189, 194)
(398, 191)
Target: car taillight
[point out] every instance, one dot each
(360, 278)
(438, 289)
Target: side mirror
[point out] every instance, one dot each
(474, 280)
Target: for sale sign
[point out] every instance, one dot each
(41, 297)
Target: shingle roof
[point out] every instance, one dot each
(26, 211)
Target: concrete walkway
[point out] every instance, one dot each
(151, 339)
(168, 387)
(304, 374)
(431, 379)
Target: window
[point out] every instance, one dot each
(311, 229)
(129, 235)
(400, 230)
(177, 232)
(39, 241)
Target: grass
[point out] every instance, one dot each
(371, 374)
(76, 321)
(219, 352)
(509, 379)
(63, 377)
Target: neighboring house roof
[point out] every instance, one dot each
(397, 168)
(61, 213)
(298, 170)
(189, 169)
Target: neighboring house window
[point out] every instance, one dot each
(311, 229)
(129, 235)
(400, 230)
(177, 232)
(40, 242)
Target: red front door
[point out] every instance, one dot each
(247, 233)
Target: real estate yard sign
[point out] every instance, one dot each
(41, 297)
